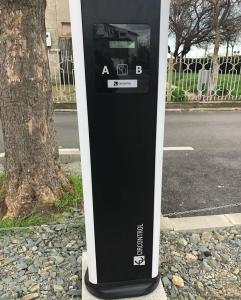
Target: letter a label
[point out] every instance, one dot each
(105, 70)
(139, 70)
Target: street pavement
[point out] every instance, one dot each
(209, 176)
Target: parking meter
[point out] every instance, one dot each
(120, 56)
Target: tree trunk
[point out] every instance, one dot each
(232, 46)
(33, 174)
(227, 50)
(215, 64)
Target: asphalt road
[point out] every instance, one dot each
(209, 176)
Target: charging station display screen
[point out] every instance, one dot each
(122, 45)
(122, 58)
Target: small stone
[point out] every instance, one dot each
(27, 283)
(219, 247)
(58, 227)
(7, 262)
(35, 288)
(4, 297)
(34, 248)
(200, 298)
(220, 237)
(224, 258)
(173, 269)
(200, 286)
(206, 236)
(79, 260)
(236, 272)
(1, 287)
(203, 249)
(195, 238)
(178, 281)
(31, 296)
(166, 282)
(58, 288)
(206, 266)
(191, 297)
(194, 271)
(53, 274)
(59, 259)
(174, 253)
(46, 269)
(182, 242)
(59, 281)
(191, 257)
(207, 253)
(70, 244)
(74, 278)
(22, 266)
(74, 293)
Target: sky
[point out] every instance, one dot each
(199, 52)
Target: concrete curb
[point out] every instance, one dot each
(187, 224)
(203, 109)
(201, 223)
(65, 110)
(158, 294)
(175, 106)
(66, 155)
(69, 155)
(169, 109)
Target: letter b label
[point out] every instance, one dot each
(139, 70)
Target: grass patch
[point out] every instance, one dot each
(64, 93)
(33, 220)
(1, 180)
(226, 83)
(67, 204)
(71, 200)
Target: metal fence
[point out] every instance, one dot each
(62, 76)
(188, 79)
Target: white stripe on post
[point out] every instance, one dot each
(81, 97)
(162, 79)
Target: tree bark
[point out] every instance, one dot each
(217, 41)
(227, 49)
(33, 174)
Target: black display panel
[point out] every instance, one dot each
(122, 58)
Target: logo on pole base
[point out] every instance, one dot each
(139, 261)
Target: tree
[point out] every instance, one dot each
(225, 15)
(189, 24)
(33, 174)
(202, 22)
(230, 31)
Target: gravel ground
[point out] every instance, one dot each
(41, 263)
(45, 263)
(202, 266)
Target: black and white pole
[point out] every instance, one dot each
(120, 56)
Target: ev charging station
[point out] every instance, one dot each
(120, 54)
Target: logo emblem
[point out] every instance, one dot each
(139, 261)
(116, 83)
(122, 69)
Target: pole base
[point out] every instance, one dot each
(126, 289)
